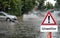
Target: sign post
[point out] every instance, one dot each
(49, 35)
(49, 25)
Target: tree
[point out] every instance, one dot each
(58, 1)
(49, 5)
(41, 4)
(19, 7)
(27, 5)
(11, 6)
(57, 5)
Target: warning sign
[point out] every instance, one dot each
(49, 24)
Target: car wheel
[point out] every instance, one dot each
(8, 19)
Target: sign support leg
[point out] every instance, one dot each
(49, 35)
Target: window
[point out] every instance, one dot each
(1, 14)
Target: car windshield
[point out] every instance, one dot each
(4, 13)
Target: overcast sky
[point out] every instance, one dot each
(51, 1)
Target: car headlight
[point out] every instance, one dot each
(15, 17)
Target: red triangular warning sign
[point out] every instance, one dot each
(49, 20)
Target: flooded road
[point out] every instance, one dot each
(36, 24)
(6, 28)
(22, 29)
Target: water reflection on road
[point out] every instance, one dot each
(6, 28)
(23, 29)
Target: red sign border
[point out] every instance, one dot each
(52, 19)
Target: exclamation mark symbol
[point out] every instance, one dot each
(48, 19)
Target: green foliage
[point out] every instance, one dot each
(10, 6)
(58, 1)
(19, 7)
(16, 7)
(49, 5)
(57, 5)
(27, 5)
(41, 5)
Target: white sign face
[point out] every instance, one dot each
(49, 24)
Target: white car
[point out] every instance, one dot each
(7, 17)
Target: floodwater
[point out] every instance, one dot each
(21, 29)
(25, 29)
(36, 26)
(7, 29)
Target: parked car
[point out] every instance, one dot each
(7, 17)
